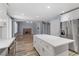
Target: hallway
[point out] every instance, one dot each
(24, 46)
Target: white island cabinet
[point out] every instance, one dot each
(48, 45)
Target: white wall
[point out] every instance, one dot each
(3, 18)
(6, 30)
(55, 27)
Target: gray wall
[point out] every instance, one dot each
(22, 25)
(36, 27)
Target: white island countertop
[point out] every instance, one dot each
(54, 40)
(5, 43)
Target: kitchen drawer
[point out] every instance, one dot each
(43, 47)
(61, 49)
(46, 45)
(47, 52)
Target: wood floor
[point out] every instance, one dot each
(24, 46)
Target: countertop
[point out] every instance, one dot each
(5, 43)
(54, 40)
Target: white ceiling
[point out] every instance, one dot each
(35, 11)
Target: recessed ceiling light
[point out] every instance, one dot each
(48, 6)
(63, 11)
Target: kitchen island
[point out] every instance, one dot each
(48, 45)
